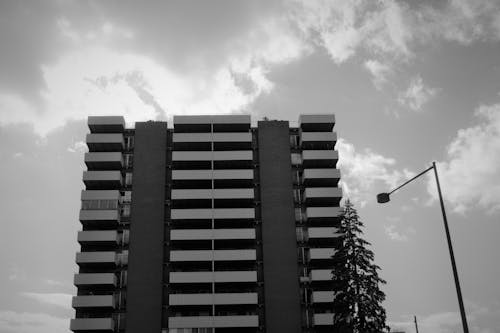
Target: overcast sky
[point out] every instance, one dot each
(409, 82)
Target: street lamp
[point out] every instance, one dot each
(385, 197)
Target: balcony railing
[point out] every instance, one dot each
(106, 124)
(103, 180)
(319, 158)
(108, 258)
(194, 234)
(98, 237)
(322, 319)
(98, 279)
(209, 277)
(210, 255)
(94, 301)
(105, 142)
(216, 299)
(317, 122)
(92, 324)
(104, 161)
(213, 321)
(217, 213)
(321, 177)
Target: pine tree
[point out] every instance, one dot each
(357, 305)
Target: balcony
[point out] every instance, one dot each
(102, 180)
(105, 142)
(318, 140)
(106, 124)
(317, 122)
(216, 299)
(210, 255)
(240, 193)
(95, 279)
(97, 218)
(98, 237)
(323, 296)
(323, 196)
(321, 275)
(194, 234)
(94, 301)
(323, 232)
(104, 161)
(222, 123)
(321, 177)
(210, 277)
(323, 213)
(212, 137)
(92, 324)
(321, 253)
(319, 158)
(212, 174)
(322, 319)
(233, 155)
(101, 195)
(213, 321)
(218, 213)
(100, 258)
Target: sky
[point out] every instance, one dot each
(410, 82)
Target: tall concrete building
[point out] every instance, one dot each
(210, 226)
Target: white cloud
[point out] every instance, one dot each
(25, 322)
(398, 235)
(470, 176)
(57, 299)
(379, 71)
(362, 170)
(417, 94)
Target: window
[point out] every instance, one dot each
(129, 161)
(126, 210)
(128, 179)
(127, 197)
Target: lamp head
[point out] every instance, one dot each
(383, 197)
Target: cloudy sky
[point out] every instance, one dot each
(409, 82)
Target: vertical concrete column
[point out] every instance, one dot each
(279, 244)
(145, 270)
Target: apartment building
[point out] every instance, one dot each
(208, 226)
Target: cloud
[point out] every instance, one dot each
(57, 299)
(470, 175)
(362, 170)
(399, 236)
(25, 322)
(417, 94)
(379, 71)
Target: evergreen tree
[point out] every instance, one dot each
(357, 305)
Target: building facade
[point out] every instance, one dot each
(210, 226)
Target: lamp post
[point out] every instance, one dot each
(385, 197)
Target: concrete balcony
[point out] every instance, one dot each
(317, 122)
(210, 255)
(212, 174)
(100, 258)
(322, 296)
(236, 193)
(212, 137)
(210, 277)
(323, 213)
(323, 196)
(104, 161)
(321, 253)
(194, 234)
(98, 218)
(319, 158)
(106, 124)
(321, 177)
(213, 321)
(218, 213)
(217, 299)
(323, 232)
(100, 195)
(321, 275)
(102, 180)
(95, 279)
(105, 142)
(94, 301)
(318, 140)
(98, 237)
(92, 324)
(323, 319)
(232, 155)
